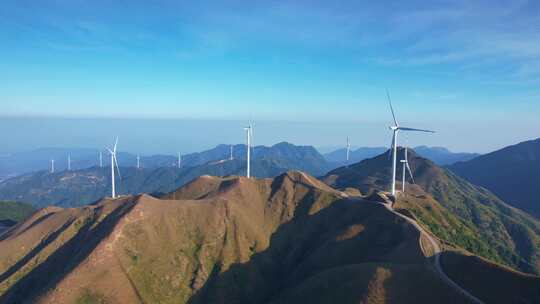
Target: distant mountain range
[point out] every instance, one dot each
(439, 155)
(512, 173)
(339, 157)
(454, 210)
(289, 239)
(442, 156)
(84, 186)
(284, 154)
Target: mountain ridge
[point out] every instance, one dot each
(489, 227)
(223, 240)
(512, 173)
(307, 158)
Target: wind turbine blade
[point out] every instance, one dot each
(115, 143)
(391, 145)
(413, 129)
(391, 108)
(410, 172)
(117, 168)
(251, 136)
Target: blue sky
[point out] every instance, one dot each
(460, 67)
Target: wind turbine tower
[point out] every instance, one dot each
(348, 148)
(249, 134)
(138, 162)
(406, 167)
(52, 165)
(100, 159)
(231, 157)
(395, 129)
(114, 163)
(69, 162)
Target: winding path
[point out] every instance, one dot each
(437, 253)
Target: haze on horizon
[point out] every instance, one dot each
(183, 77)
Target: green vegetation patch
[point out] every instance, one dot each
(91, 297)
(15, 211)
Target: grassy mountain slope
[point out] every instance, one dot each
(472, 217)
(473, 272)
(512, 173)
(228, 240)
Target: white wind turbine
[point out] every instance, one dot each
(69, 162)
(405, 162)
(348, 148)
(249, 135)
(138, 162)
(231, 156)
(179, 161)
(100, 159)
(114, 163)
(52, 165)
(395, 129)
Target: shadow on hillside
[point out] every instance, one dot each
(46, 275)
(308, 245)
(30, 255)
(37, 221)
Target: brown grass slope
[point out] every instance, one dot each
(455, 210)
(229, 240)
(483, 278)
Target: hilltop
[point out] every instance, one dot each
(222, 240)
(512, 173)
(455, 210)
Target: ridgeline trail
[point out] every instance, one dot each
(435, 246)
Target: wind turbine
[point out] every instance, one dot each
(405, 163)
(179, 161)
(52, 165)
(69, 162)
(231, 157)
(395, 129)
(249, 134)
(138, 162)
(114, 163)
(100, 159)
(348, 148)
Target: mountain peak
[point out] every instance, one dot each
(459, 200)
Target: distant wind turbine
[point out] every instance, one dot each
(231, 157)
(52, 165)
(138, 162)
(114, 163)
(406, 166)
(395, 129)
(249, 134)
(69, 162)
(348, 148)
(100, 159)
